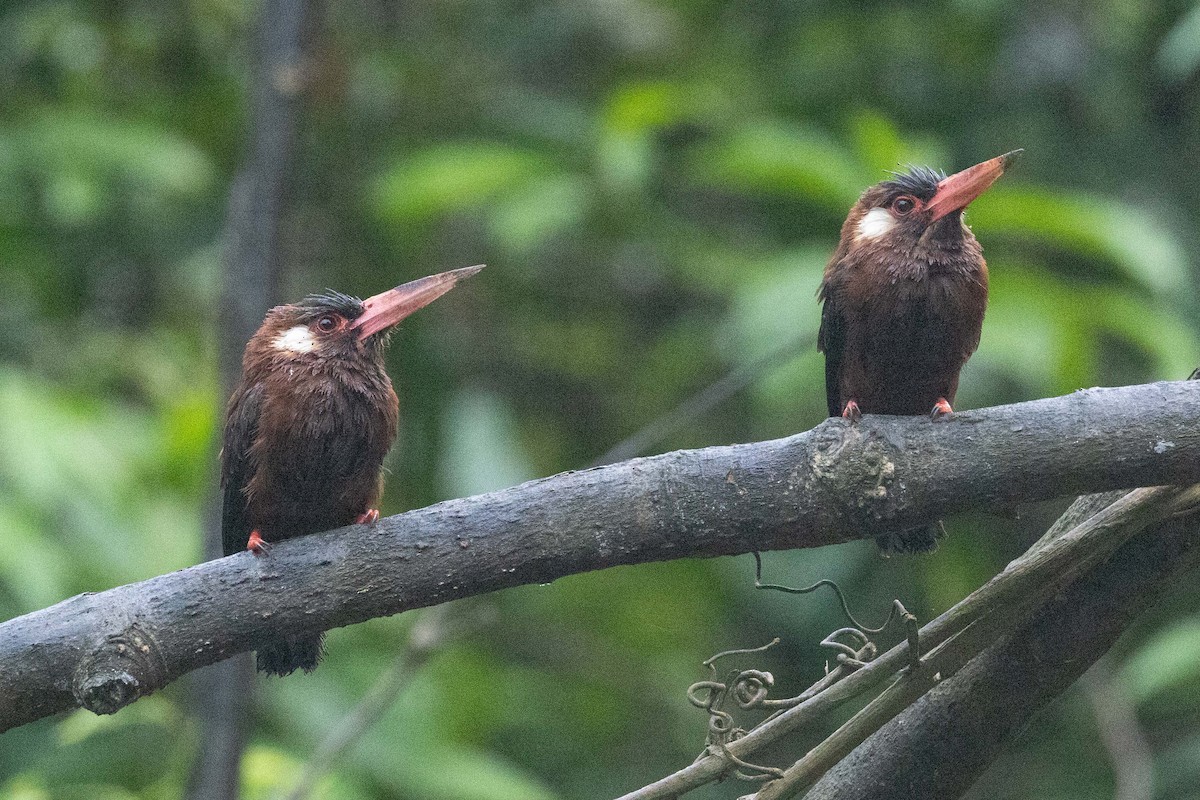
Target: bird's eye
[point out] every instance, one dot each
(903, 204)
(327, 323)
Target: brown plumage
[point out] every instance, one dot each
(904, 297)
(308, 426)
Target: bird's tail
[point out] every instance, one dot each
(912, 540)
(285, 656)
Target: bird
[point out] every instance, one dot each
(308, 425)
(903, 299)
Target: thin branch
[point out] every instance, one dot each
(944, 661)
(1024, 584)
(429, 635)
(705, 400)
(833, 483)
(940, 745)
(1116, 719)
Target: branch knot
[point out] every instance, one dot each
(126, 667)
(861, 461)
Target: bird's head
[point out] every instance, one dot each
(917, 215)
(333, 325)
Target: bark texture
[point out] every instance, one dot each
(831, 484)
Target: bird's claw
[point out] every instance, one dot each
(368, 517)
(941, 409)
(257, 545)
(851, 412)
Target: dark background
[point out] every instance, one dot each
(656, 187)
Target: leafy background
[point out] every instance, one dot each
(656, 186)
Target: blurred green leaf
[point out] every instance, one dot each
(1170, 660)
(483, 451)
(25, 787)
(883, 147)
(77, 148)
(1047, 330)
(82, 464)
(775, 304)
(635, 107)
(79, 725)
(1179, 53)
(38, 572)
(269, 773)
(527, 218)
(468, 774)
(450, 177)
(1130, 238)
(784, 161)
(86, 765)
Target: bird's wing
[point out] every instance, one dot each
(241, 429)
(831, 342)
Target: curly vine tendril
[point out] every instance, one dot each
(861, 632)
(897, 606)
(749, 687)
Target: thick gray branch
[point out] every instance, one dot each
(833, 483)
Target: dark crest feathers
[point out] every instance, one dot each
(921, 182)
(330, 300)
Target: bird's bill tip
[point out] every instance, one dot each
(957, 191)
(1009, 157)
(387, 309)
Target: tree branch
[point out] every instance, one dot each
(833, 483)
(994, 609)
(940, 745)
(429, 635)
(1129, 751)
(1137, 509)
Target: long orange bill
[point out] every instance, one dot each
(956, 192)
(387, 308)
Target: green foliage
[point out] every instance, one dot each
(656, 187)
(1165, 666)
(775, 160)
(444, 180)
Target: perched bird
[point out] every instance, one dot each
(308, 426)
(904, 296)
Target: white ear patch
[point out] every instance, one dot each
(298, 339)
(875, 223)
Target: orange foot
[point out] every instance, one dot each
(941, 409)
(368, 517)
(257, 545)
(851, 411)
